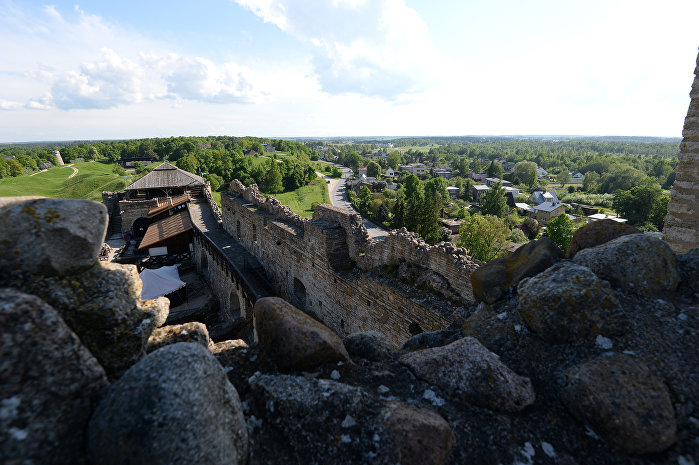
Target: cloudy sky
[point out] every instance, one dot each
(282, 68)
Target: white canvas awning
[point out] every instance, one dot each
(160, 282)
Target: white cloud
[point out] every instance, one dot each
(201, 79)
(375, 48)
(88, 63)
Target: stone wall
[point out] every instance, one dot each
(131, 210)
(233, 300)
(322, 265)
(680, 229)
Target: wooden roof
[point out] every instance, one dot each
(166, 228)
(164, 206)
(166, 176)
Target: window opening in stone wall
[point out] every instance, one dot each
(235, 305)
(299, 299)
(415, 329)
(237, 229)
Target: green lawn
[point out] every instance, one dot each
(91, 180)
(301, 199)
(217, 197)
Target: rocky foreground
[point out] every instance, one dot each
(589, 359)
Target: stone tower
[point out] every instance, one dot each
(680, 229)
(57, 155)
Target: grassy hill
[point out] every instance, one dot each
(92, 178)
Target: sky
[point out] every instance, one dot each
(331, 68)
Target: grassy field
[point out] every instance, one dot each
(92, 178)
(301, 199)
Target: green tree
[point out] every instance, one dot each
(563, 177)
(393, 160)
(590, 181)
(435, 194)
(560, 230)
(383, 213)
(215, 180)
(620, 177)
(399, 210)
(518, 236)
(354, 161)
(413, 202)
(119, 170)
(525, 173)
(364, 200)
(642, 204)
(495, 170)
(273, 178)
(188, 163)
(485, 237)
(493, 202)
(373, 169)
(16, 168)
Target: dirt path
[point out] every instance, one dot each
(75, 170)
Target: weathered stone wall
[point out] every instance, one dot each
(680, 229)
(310, 264)
(233, 303)
(134, 209)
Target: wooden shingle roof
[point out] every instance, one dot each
(166, 228)
(164, 205)
(166, 176)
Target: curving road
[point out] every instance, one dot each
(338, 197)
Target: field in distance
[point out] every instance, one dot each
(88, 183)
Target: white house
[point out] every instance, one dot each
(389, 172)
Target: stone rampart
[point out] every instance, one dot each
(680, 229)
(321, 265)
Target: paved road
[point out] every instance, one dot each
(338, 197)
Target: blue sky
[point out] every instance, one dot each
(283, 68)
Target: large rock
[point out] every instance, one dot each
(172, 334)
(431, 339)
(623, 402)
(636, 262)
(52, 237)
(370, 345)
(688, 265)
(103, 307)
(469, 372)
(293, 339)
(597, 233)
(569, 303)
(315, 421)
(423, 437)
(174, 406)
(494, 279)
(47, 382)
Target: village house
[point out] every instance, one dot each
(576, 177)
(478, 190)
(445, 173)
(414, 168)
(453, 192)
(389, 172)
(546, 211)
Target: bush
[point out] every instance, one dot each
(518, 236)
(571, 189)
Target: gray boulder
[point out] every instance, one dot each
(431, 339)
(103, 307)
(494, 279)
(318, 421)
(47, 382)
(469, 372)
(293, 339)
(51, 237)
(689, 269)
(623, 402)
(422, 436)
(369, 345)
(568, 303)
(636, 262)
(174, 406)
(172, 334)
